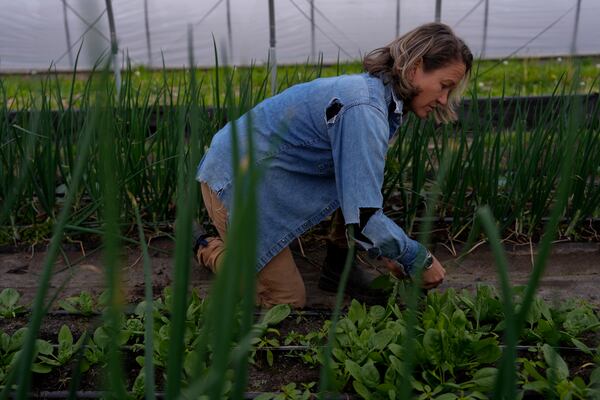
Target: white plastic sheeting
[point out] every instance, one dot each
(33, 32)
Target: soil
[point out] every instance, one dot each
(572, 271)
(51, 325)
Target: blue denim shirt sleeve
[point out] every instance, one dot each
(359, 138)
(389, 240)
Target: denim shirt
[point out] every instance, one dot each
(322, 145)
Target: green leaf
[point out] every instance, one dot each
(529, 368)
(382, 283)
(370, 375)
(397, 365)
(9, 297)
(40, 369)
(339, 354)
(16, 340)
(447, 396)
(4, 342)
(190, 362)
(65, 338)
(595, 377)
(392, 394)
(86, 303)
(581, 346)
(138, 387)
(276, 314)
(556, 362)
(537, 386)
(381, 339)
(478, 395)
(357, 313)
(101, 337)
(579, 383)
(432, 344)
(49, 361)
(487, 350)
(354, 369)
(459, 320)
(396, 349)
(361, 390)
(43, 347)
(67, 306)
(547, 330)
(376, 313)
(418, 386)
(484, 379)
(580, 320)
(265, 396)
(140, 360)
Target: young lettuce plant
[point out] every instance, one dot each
(9, 307)
(95, 352)
(66, 349)
(273, 317)
(83, 304)
(290, 392)
(9, 347)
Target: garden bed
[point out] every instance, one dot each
(286, 358)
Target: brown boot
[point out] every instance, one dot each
(359, 280)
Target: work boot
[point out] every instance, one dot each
(359, 280)
(199, 236)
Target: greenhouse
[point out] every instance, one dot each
(300, 199)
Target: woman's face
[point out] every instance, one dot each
(433, 86)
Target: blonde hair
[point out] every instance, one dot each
(435, 46)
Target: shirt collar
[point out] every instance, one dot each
(395, 106)
(398, 102)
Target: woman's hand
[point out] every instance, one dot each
(431, 278)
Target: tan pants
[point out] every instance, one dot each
(279, 282)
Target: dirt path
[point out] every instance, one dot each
(572, 271)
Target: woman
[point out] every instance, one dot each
(323, 146)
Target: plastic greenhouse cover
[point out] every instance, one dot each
(36, 33)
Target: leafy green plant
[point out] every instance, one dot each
(45, 358)
(263, 343)
(95, 352)
(290, 392)
(82, 304)
(263, 328)
(455, 349)
(312, 340)
(9, 346)
(556, 380)
(9, 307)
(66, 349)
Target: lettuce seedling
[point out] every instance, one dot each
(83, 304)
(66, 349)
(9, 299)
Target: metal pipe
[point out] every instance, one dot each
(272, 48)
(229, 31)
(114, 47)
(397, 18)
(576, 29)
(312, 30)
(438, 10)
(486, 14)
(69, 47)
(147, 23)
